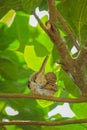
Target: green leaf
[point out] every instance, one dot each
(8, 86)
(14, 45)
(70, 86)
(11, 127)
(5, 37)
(8, 18)
(55, 55)
(33, 61)
(29, 111)
(79, 110)
(17, 34)
(44, 103)
(14, 56)
(43, 5)
(74, 12)
(44, 40)
(30, 5)
(18, 5)
(20, 30)
(57, 117)
(72, 127)
(5, 6)
(8, 69)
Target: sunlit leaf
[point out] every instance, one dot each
(44, 103)
(79, 111)
(34, 62)
(8, 18)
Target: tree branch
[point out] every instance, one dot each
(72, 65)
(55, 99)
(54, 14)
(43, 123)
(55, 34)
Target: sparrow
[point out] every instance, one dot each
(41, 83)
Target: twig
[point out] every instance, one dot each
(40, 23)
(67, 29)
(40, 123)
(55, 99)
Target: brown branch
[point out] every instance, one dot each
(43, 123)
(54, 14)
(55, 99)
(71, 65)
(67, 29)
(55, 34)
(52, 11)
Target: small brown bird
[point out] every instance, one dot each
(41, 83)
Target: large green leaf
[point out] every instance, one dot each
(29, 111)
(43, 5)
(30, 5)
(32, 59)
(70, 86)
(20, 29)
(18, 86)
(14, 56)
(17, 35)
(8, 69)
(5, 6)
(74, 12)
(44, 39)
(9, 87)
(5, 37)
(16, 61)
(18, 5)
(80, 110)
